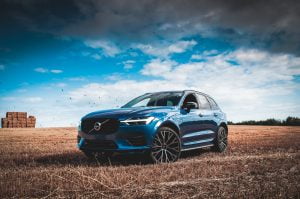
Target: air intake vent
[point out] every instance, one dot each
(137, 140)
(100, 144)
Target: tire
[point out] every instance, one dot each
(221, 141)
(166, 146)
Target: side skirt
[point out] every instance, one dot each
(197, 147)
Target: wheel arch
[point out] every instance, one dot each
(171, 125)
(223, 124)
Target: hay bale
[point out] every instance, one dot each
(30, 123)
(18, 120)
(22, 115)
(9, 124)
(4, 122)
(14, 115)
(9, 115)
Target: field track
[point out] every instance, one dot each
(261, 162)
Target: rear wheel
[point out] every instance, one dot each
(166, 146)
(221, 141)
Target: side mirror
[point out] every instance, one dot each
(190, 105)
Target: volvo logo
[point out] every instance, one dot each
(97, 126)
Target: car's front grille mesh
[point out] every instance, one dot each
(108, 125)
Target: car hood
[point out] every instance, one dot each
(124, 113)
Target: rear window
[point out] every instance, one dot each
(204, 104)
(212, 103)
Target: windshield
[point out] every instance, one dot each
(155, 99)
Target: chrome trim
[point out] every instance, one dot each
(198, 133)
(198, 147)
(198, 142)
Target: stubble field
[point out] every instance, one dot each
(261, 162)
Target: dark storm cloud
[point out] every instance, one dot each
(271, 24)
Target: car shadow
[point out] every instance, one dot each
(194, 153)
(77, 158)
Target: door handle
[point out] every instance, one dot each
(200, 115)
(215, 114)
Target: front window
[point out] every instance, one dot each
(155, 99)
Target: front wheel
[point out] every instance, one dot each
(221, 140)
(166, 146)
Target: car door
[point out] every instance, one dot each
(209, 115)
(195, 125)
(218, 115)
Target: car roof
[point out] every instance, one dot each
(176, 91)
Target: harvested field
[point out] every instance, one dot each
(261, 162)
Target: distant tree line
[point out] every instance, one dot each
(289, 121)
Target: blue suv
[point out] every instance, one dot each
(161, 124)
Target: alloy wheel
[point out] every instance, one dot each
(222, 139)
(166, 146)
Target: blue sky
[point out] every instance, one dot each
(59, 67)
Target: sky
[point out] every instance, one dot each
(60, 60)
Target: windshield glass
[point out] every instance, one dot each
(155, 99)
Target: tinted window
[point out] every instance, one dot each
(204, 104)
(190, 98)
(212, 103)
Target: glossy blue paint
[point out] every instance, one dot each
(197, 128)
(198, 133)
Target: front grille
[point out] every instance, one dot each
(137, 140)
(100, 144)
(108, 126)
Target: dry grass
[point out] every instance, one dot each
(261, 162)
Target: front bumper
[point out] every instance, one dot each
(136, 138)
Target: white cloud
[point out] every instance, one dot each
(96, 56)
(158, 67)
(22, 90)
(243, 88)
(114, 77)
(181, 46)
(45, 70)
(197, 57)
(164, 50)
(2, 67)
(41, 70)
(56, 71)
(128, 64)
(60, 85)
(8, 98)
(117, 93)
(109, 49)
(32, 99)
(77, 79)
(252, 89)
(204, 54)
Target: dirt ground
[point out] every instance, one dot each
(261, 162)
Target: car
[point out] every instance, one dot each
(159, 124)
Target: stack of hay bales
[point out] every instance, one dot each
(18, 120)
(30, 122)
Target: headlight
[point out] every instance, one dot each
(138, 120)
